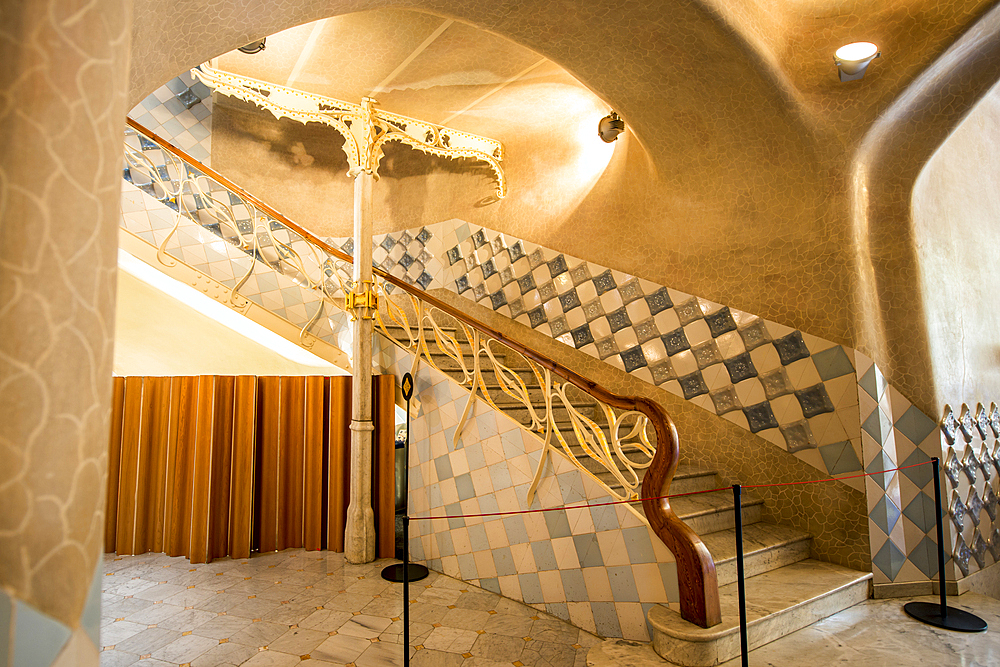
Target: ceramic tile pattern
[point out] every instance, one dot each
(901, 504)
(599, 568)
(181, 113)
(794, 390)
(970, 455)
(202, 243)
(297, 607)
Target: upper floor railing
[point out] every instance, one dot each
(614, 437)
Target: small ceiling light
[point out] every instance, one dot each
(610, 127)
(853, 59)
(254, 47)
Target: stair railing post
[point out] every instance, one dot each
(940, 615)
(406, 589)
(943, 593)
(740, 575)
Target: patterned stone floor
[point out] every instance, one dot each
(299, 607)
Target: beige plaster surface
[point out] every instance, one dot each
(63, 88)
(155, 334)
(956, 219)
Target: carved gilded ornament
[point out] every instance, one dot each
(365, 128)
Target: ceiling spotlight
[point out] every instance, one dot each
(852, 60)
(254, 47)
(610, 127)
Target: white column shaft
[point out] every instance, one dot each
(359, 538)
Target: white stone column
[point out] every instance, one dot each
(359, 538)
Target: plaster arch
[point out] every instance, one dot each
(738, 212)
(897, 309)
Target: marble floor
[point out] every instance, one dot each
(875, 633)
(313, 608)
(299, 607)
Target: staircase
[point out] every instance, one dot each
(786, 589)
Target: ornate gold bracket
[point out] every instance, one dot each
(363, 304)
(365, 128)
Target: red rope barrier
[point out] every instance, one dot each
(673, 495)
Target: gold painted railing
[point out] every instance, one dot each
(209, 199)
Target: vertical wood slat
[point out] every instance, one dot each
(212, 466)
(180, 465)
(266, 507)
(114, 464)
(129, 468)
(384, 464)
(290, 462)
(201, 477)
(339, 461)
(242, 484)
(155, 422)
(312, 473)
(220, 475)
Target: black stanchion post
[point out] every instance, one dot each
(414, 572)
(406, 588)
(740, 575)
(941, 615)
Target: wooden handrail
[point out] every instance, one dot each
(699, 590)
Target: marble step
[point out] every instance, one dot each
(779, 602)
(766, 547)
(686, 479)
(710, 512)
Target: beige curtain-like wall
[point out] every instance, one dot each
(212, 466)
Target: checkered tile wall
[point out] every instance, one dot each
(795, 390)
(901, 524)
(181, 113)
(599, 568)
(204, 249)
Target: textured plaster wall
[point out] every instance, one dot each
(63, 88)
(956, 219)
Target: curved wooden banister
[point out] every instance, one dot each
(699, 591)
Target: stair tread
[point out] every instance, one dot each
(756, 537)
(687, 507)
(775, 592)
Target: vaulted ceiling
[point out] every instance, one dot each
(774, 187)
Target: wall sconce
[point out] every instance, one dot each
(254, 47)
(853, 59)
(610, 127)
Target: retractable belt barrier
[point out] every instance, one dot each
(939, 615)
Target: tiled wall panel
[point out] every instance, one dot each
(794, 390)
(599, 568)
(970, 455)
(181, 113)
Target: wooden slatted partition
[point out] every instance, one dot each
(241, 495)
(215, 466)
(114, 465)
(339, 460)
(384, 464)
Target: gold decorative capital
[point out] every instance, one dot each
(365, 129)
(363, 303)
